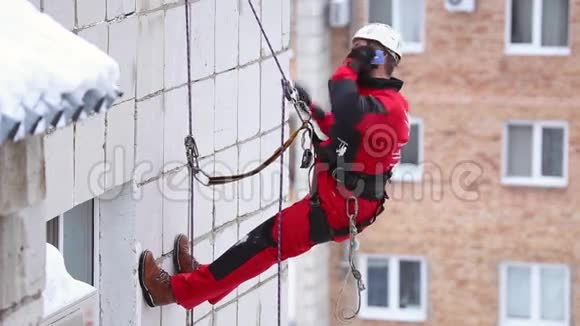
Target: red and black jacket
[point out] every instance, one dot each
(367, 126)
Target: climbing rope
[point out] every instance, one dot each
(191, 151)
(280, 202)
(286, 86)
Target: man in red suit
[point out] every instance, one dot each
(367, 127)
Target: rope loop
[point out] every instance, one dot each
(352, 211)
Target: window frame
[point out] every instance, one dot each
(535, 48)
(394, 312)
(535, 302)
(536, 179)
(96, 248)
(407, 47)
(407, 172)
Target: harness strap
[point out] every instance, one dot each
(366, 186)
(320, 230)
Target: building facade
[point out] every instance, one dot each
(116, 183)
(483, 219)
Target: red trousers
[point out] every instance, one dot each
(258, 251)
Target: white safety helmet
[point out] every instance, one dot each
(383, 34)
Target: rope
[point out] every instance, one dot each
(282, 148)
(352, 247)
(190, 146)
(220, 180)
(280, 201)
(268, 41)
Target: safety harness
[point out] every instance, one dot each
(320, 230)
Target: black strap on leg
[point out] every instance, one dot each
(255, 242)
(320, 231)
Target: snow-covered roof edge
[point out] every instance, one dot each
(49, 77)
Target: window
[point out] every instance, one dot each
(535, 153)
(411, 166)
(538, 27)
(534, 294)
(73, 234)
(405, 16)
(396, 288)
(70, 294)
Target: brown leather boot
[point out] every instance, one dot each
(182, 259)
(155, 282)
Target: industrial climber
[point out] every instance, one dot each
(367, 127)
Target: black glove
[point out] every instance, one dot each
(362, 58)
(303, 94)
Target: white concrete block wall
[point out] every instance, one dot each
(248, 188)
(248, 100)
(123, 48)
(249, 35)
(236, 117)
(227, 315)
(63, 11)
(89, 161)
(149, 140)
(97, 35)
(118, 287)
(150, 57)
(203, 114)
(36, 3)
(272, 21)
(204, 202)
(175, 206)
(226, 109)
(311, 48)
(175, 48)
(116, 8)
(145, 5)
(120, 144)
(22, 260)
(59, 159)
(203, 39)
(90, 12)
(226, 33)
(226, 163)
(175, 127)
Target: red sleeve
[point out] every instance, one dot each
(398, 119)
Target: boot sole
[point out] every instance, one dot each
(176, 254)
(146, 294)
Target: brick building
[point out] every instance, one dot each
(102, 189)
(483, 222)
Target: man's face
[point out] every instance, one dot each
(357, 42)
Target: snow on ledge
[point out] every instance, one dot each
(61, 288)
(49, 77)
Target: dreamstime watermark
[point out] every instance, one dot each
(425, 181)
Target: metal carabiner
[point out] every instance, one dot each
(352, 200)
